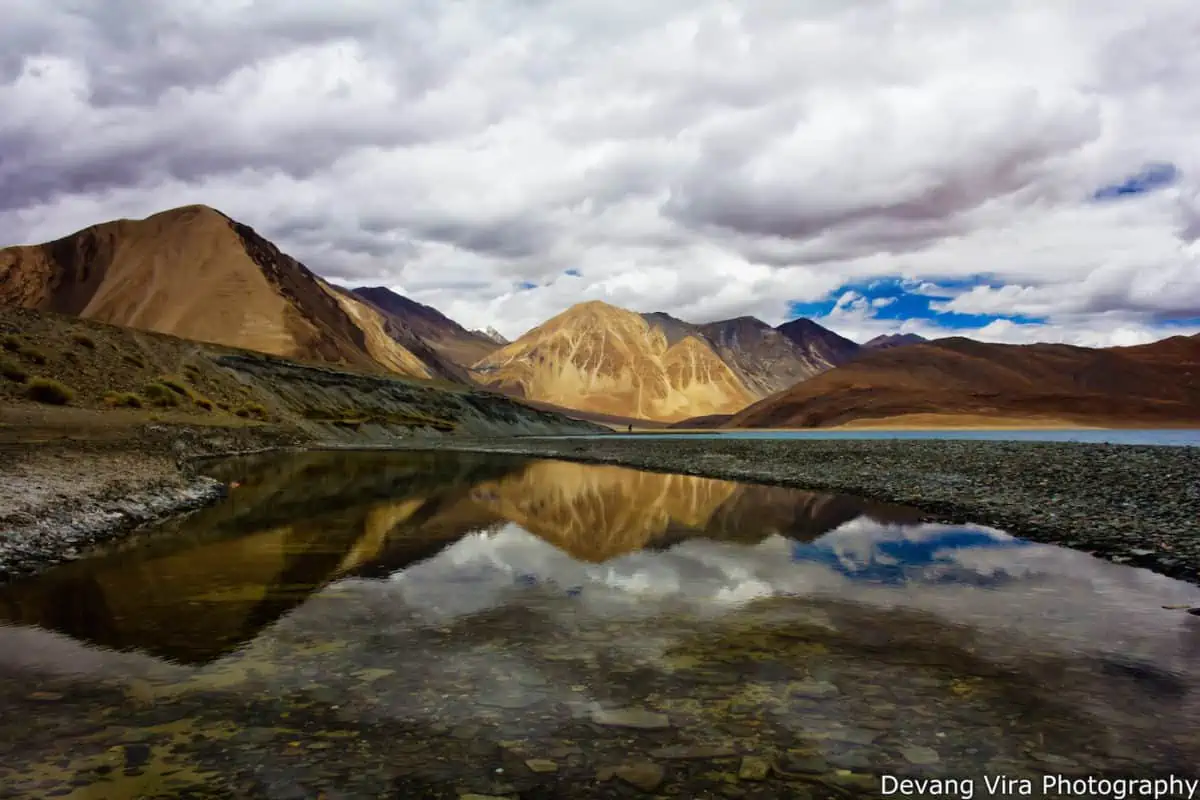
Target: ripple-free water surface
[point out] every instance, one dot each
(1175, 437)
(431, 625)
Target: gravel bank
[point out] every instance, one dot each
(1134, 505)
(60, 497)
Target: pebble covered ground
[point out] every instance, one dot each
(391, 688)
(352, 698)
(1137, 505)
(60, 497)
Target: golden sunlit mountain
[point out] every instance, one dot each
(194, 273)
(595, 513)
(599, 512)
(291, 526)
(653, 366)
(598, 357)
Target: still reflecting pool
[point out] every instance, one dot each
(437, 624)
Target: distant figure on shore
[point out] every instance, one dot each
(631, 428)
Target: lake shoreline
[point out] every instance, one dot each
(1137, 505)
(64, 496)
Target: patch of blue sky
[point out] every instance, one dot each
(901, 299)
(1150, 178)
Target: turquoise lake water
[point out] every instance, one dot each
(1175, 437)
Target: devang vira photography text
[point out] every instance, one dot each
(1046, 786)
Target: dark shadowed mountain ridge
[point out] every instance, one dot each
(446, 337)
(886, 340)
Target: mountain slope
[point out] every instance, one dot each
(596, 513)
(192, 272)
(494, 335)
(893, 340)
(769, 359)
(824, 348)
(599, 512)
(707, 369)
(443, 335)
(765, 359)
(1151, 384)
(598, 357)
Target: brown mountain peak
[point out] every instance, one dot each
(599, 357)
(595, 307)
(442, 343)
(186, 211)
(967, 379)
(195, 273)
(886, 340)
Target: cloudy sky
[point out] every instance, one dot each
(1013, 169)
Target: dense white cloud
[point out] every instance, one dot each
(708, 159)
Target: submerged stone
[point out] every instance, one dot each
(854, 781)
(815, 689)
(754, 768)
(682, 752)
(920, 755)
(510, 700)
(541, 765)
(642, 775)
(631, 718)
(855, 736)
(136, 755)
(804, 764)
(1053, 760)
(854, 759)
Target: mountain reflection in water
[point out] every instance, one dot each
(294, 525)
(416, 622)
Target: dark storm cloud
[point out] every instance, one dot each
(510, 238)
(150, 108)
(37, 170)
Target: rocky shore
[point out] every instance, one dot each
(1137, 505)
(61, 496)
(1134, 505)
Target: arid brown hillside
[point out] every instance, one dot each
(192, 272)
(1155, 384)
(765, 359)
(771, 359)
(195, 273)
(682, 370)
(598, 357)
(428, 326)
(57, 369)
